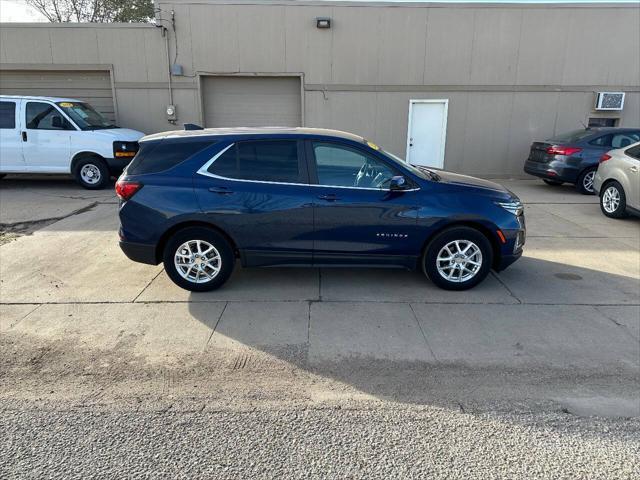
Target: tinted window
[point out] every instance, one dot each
(267, 161)
(342, 166)
(571, 137)
(157, 156)
(616, 140)
(634, 152)
(43, 116)
(7, 115)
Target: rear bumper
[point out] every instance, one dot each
(554, 170)
(139, 252)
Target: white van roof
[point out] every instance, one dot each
(32, 97)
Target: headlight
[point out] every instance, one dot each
(514, 207)
(125, 149)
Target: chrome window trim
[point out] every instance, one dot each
(203, 170)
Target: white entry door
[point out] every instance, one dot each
(427, 132)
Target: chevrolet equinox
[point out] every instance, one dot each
(199, 199)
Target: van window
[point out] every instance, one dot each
(158, 156)
(8, 115)
(265, 160)
(44, 116)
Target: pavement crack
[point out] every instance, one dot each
(213, 330)
(513, 295)
(424, 336)
(147, 285)
(25, 316)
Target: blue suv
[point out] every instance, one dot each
(197, 200)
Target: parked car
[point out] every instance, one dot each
(62, 135)
(618, 182)
(197, 200)
(573, 157)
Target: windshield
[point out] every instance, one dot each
(85, 116)
(421, 172)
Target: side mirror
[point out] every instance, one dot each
(56, 122)
(398, 183)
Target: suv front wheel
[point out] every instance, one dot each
(198, 259)
(458, 258)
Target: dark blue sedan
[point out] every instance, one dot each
(573, 157)
(197, 200)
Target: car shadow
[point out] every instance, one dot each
(535, 342)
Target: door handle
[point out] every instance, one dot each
(330, 197)
(24, 136)
(220, 190)
(634, 169)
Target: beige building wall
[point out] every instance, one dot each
(512, 73)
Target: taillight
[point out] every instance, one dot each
(125, 190)
(604, 158)
(560, 150)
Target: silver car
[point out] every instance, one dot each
(617, 181)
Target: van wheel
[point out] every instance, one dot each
(92, 173)
(198, 259)
(458, 258)
(585, 181)
(613, 201)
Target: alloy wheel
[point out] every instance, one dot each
(611, 199)
(459, 261)
(587, 181)
(197, 261)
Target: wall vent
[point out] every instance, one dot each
(609, 100)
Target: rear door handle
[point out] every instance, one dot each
(330, 197)
(633, 169)
(24, 136)
(220, 190)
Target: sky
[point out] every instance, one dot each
(18, 11)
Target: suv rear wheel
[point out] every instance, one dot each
(585, 181)
(92, 173)
(458, 258)
(613, 201)
(198, 259)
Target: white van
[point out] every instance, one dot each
(62, 135)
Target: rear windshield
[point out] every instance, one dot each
(571, 137)
(160, 155)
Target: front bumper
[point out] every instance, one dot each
(117, 165)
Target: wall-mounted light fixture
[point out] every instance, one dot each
(323, 22)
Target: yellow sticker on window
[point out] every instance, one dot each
(373, 145)
(66, 104)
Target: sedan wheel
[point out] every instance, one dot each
(613, 201)
(585, 182)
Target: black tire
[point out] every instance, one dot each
(215, 239)
(607, 204)
(467, 234)
(95, 166)
(553, 183)
(584, 184)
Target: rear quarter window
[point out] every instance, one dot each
(160, 155)
(7, 115)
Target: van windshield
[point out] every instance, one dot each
(85, 116)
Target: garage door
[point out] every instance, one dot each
(90, 86)
(251, 101)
